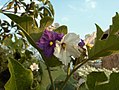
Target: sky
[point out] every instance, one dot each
(80, 16)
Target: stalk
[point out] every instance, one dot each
(78, 66)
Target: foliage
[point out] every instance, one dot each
(57, 72)
(18, 74)
(99, 81)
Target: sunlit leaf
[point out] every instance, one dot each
(114, 28)
(107, 46)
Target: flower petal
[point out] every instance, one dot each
(73, 51)
(71, 38)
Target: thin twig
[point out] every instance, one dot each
(50, 76)
(5, 4)
(67, 78)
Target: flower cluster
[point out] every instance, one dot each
(62, 46)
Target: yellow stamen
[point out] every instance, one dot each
(51, 43)
(90, 45)
(63, 45)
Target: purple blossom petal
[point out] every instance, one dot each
(48, 51)
(81, 44)
(44, 42)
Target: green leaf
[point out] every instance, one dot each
(70, 85)
(1, 11)
(25, 30)
(114, 28)
(106, 46)
(51, 8)
(45, 22)
(52, 61)
(21, 78)
(96, 81)
(27, 24)
(95, 77)
(62, 29)
(99, 32)
(55, 72)
(112, 85)
(83, 87)
(8, 42)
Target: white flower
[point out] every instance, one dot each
(89, 41)
(34, 67)
(67, 47)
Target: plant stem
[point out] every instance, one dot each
(78, 66)
(50, 76)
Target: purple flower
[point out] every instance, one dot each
(81, 44)
(47, 42)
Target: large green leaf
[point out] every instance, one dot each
(45, 22)
(55, 72)
(70, 85)
(52, 61)
(99, 81)
(21, 78)
(51, 8)
(94, 78)
(114, 28)
(83, 87)
(61, 29)
(27, 24)
(107, 46)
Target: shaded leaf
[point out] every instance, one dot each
(70, 85)
(52, 61)
(96, 82)
(27, 25)
(45, 22)
(10, 5)
(51, 8)
(21, 78)
(95, 77)
(55, 72)
(83, 87)
(62, 29)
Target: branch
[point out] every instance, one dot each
(78, 66)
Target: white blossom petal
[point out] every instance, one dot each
(64, 54)
(90, 40)
(71, 38)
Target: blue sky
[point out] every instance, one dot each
(80, 16)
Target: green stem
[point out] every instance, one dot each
(67, 78)
(50, 76)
